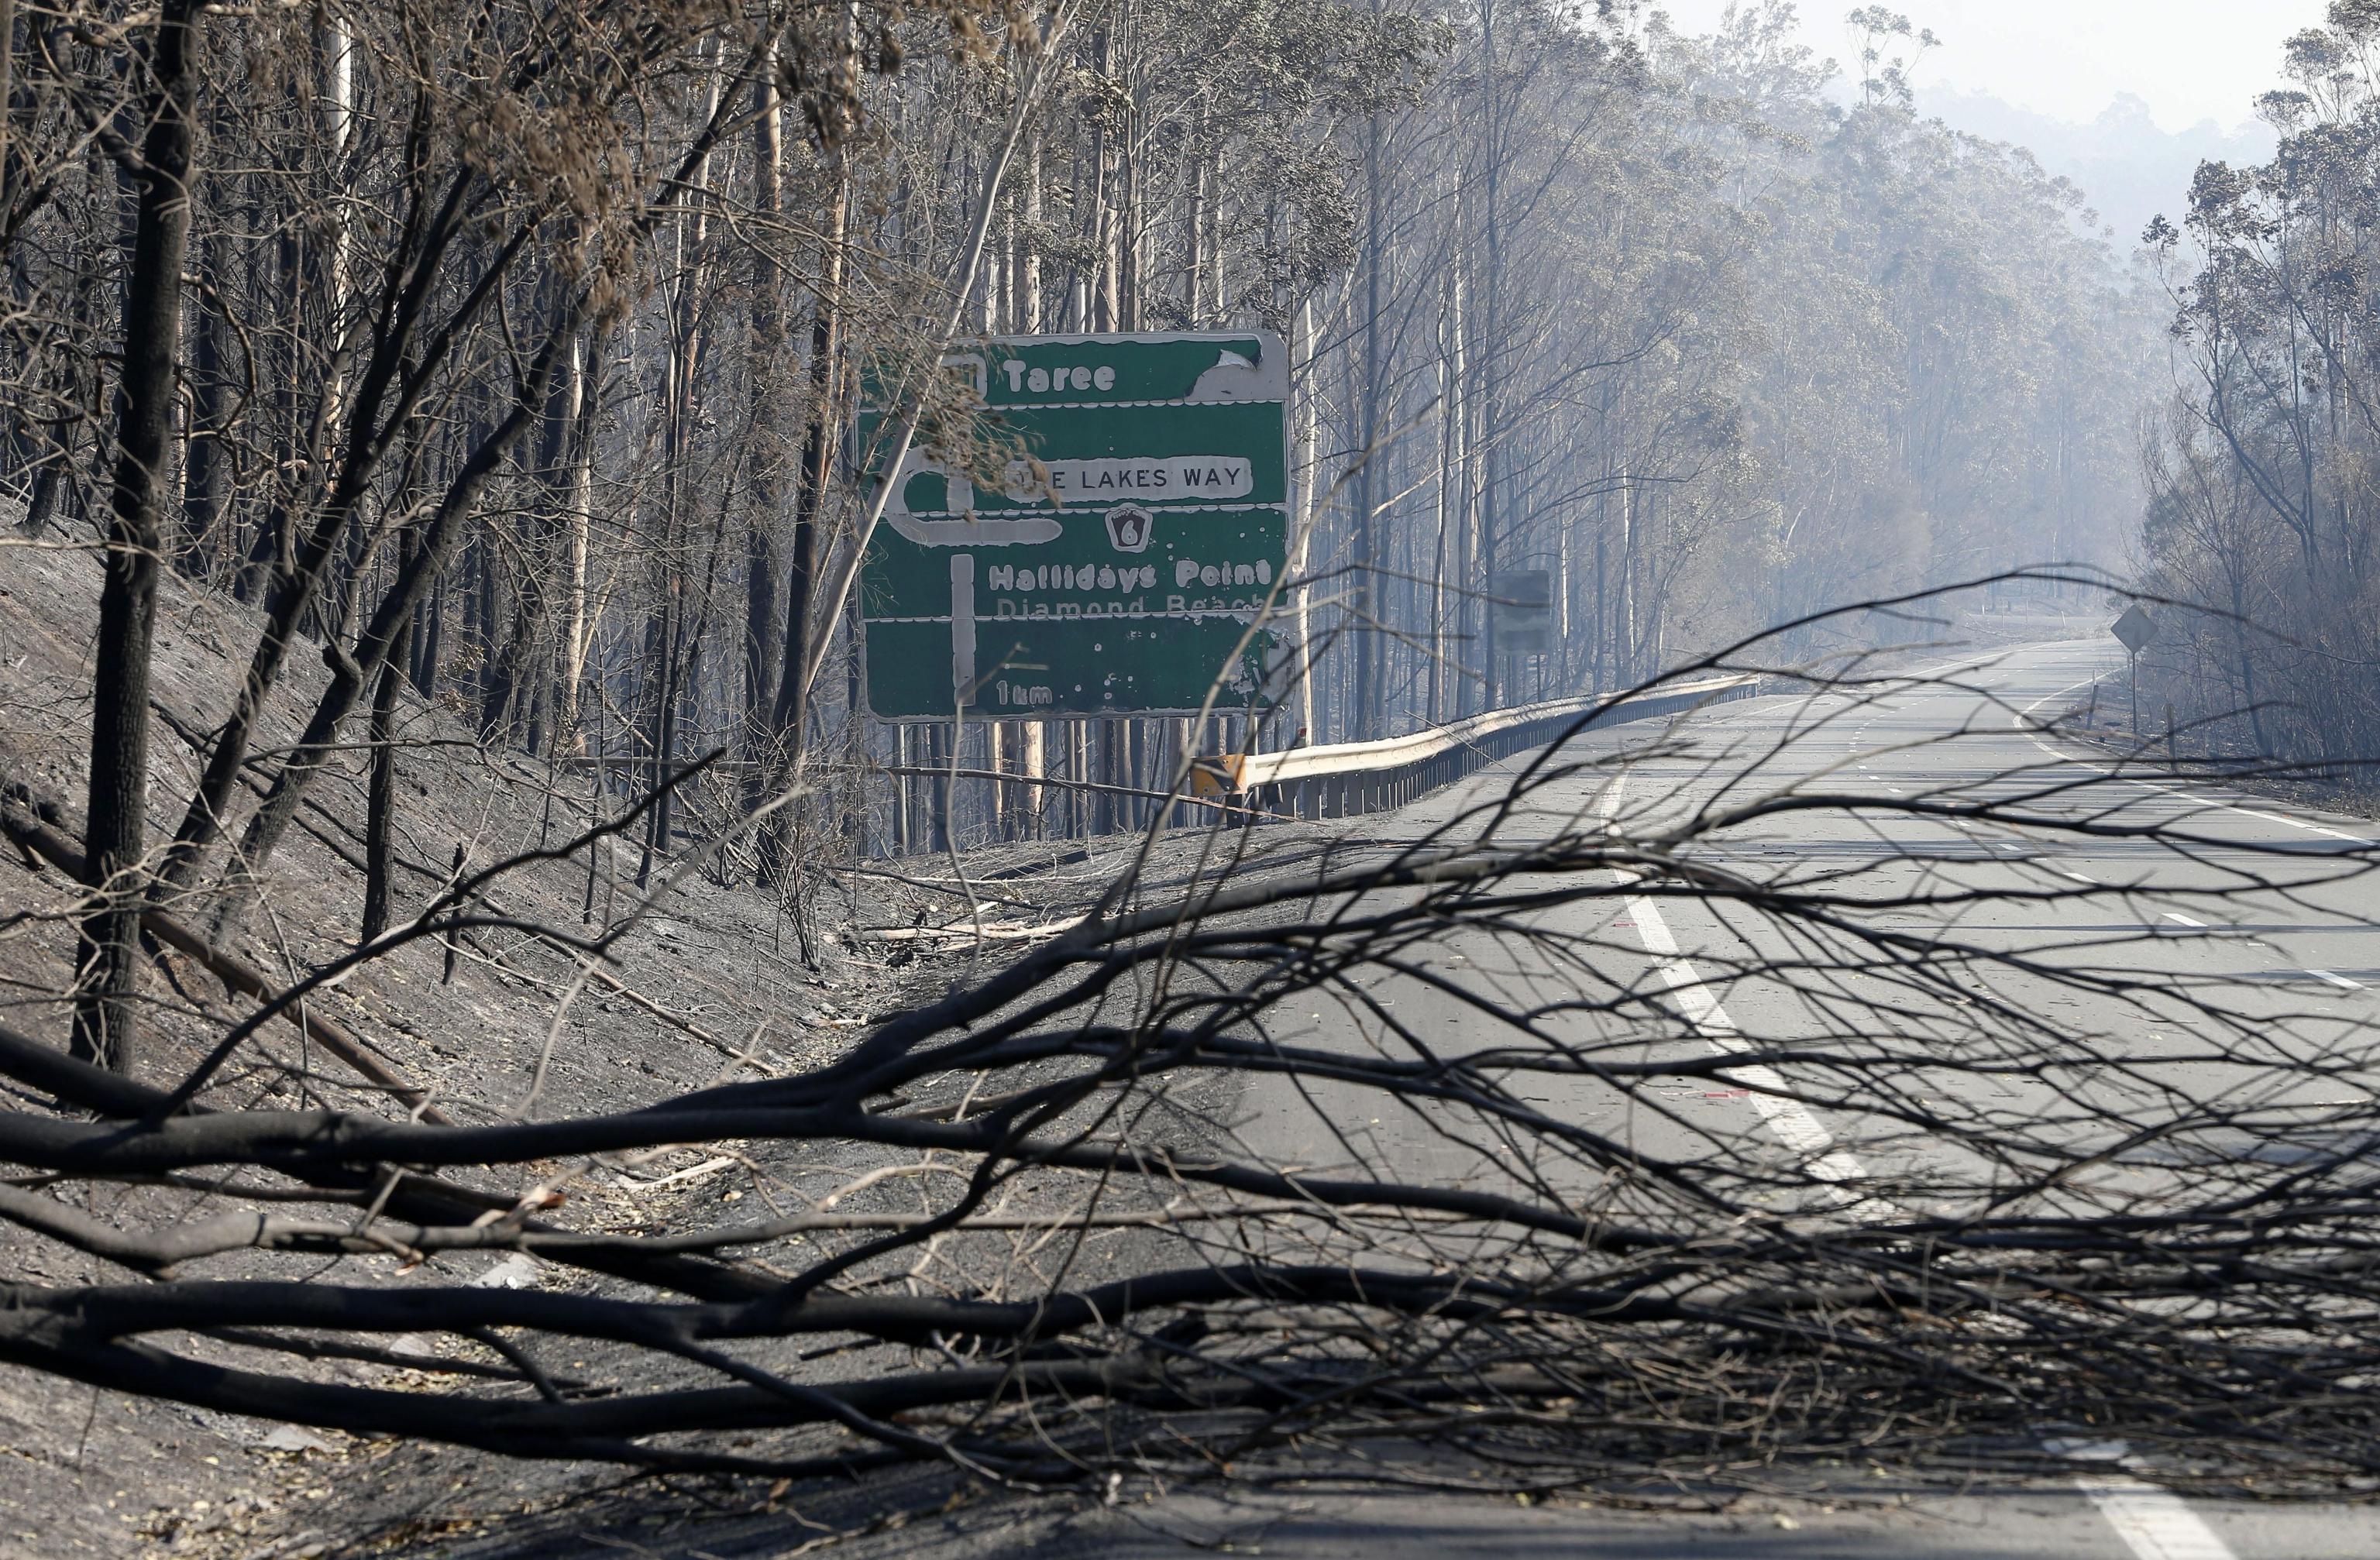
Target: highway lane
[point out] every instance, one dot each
(1882, 1521)
(2261, 972)
(2250, 933)
(2280, 943)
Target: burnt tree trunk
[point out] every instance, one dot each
(106, 1024)
(792, 712)
(204, 488)
(379, 806)
(352, 667)
(763, 650)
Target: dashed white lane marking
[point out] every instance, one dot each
(1771, 1095)
(2155, 1524)
(2339, 981)
(2078, 876)
(2177, 916)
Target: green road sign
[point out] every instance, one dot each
(1124, 574)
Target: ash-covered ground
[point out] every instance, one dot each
(716, 980)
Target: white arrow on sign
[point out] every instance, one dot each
(962, 526)
(962, 628)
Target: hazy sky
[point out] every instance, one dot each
(2191, 59)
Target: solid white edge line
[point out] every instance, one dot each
(2018, 722)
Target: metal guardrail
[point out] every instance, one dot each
(1347, 778)
(1343, 780)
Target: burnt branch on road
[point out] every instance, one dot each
(1777, 1086)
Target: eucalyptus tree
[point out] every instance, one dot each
(2271, 270)
(398, 263)
(520, 364)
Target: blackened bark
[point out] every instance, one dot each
(384, 402)
(454, 875)
(763, 648)
(55, 470)
(791, 711)
(58, 455)
(105, 1025)
(662, 684)
(204, 485)
(380, 815)
(351, 669)
(428, 642)
(514, 686)
(8, 103)
(379, 806)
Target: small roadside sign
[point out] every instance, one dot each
(1522, 602)
(1214, 778)
(1120, 565)
(2135, 628)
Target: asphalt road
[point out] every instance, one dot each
(2264, 913)
(2253, 927)
(2261, 909)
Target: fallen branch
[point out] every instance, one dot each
(19, 821)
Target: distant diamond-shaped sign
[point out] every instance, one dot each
(2135, 628)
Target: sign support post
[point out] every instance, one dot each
(2137, 630)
